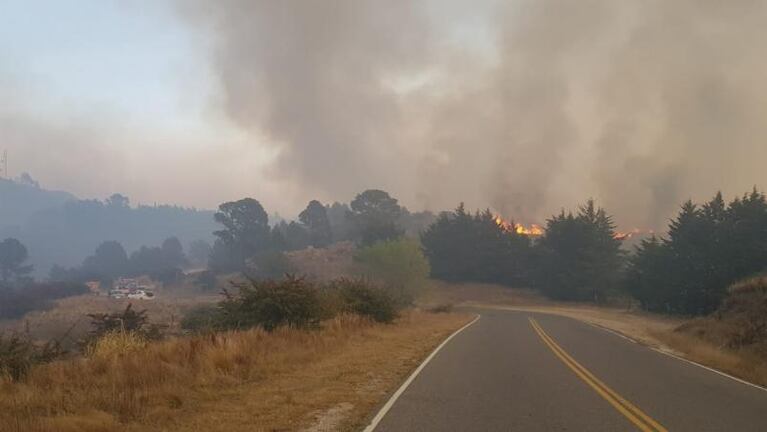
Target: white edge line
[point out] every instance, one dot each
(616, 333)
(718, 372)
(672, 355)
(385, 409)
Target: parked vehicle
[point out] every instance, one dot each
(141, 295)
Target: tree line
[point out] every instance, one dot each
(708, 247)
(579, 256)
(247, 240)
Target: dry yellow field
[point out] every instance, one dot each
(329, 379)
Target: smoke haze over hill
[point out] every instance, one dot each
(524, 106)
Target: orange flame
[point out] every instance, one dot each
(619, 235)
(532, 230)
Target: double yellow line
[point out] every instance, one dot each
(634, 414)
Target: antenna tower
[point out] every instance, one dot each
(4, 165)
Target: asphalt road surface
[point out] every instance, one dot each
(520, 371)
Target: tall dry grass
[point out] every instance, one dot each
(732, 339)
(147, 385)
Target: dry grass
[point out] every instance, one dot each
(116, 344)
(71, 313)
(734, 338)
(286, 380)
(742, 363)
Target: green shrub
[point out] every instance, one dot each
(400, 264)
(271, 265)
(202, 318)
(129, 320)
(292, 301)
(363, 298)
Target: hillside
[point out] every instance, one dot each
(20, 200)
(58, 228)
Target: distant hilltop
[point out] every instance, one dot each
(23, 197)
(60, 228)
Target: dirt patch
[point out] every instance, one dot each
(324, 264)
(331, 419)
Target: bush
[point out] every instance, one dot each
(15, 302)
(746, 306)
(400, 264)
(18, 354)
(271, 265)
(128, 320)
(292, 301)
(363, 298)
(202, 318)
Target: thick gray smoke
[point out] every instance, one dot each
(526, 106)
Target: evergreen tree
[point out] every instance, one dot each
(465, 247)
(375, 214)
(13, 257)
(707, 249)
(578, 257)
(246, 231)
(315, 219)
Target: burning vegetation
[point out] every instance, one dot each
(531, 230)
(535, 230)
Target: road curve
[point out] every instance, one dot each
(521, 371)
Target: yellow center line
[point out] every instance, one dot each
(631, 412)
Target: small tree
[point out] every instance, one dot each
(109, 260)
(246, 230)
(400, 264)
(315, 218)
(13, 255)
(173, 253)
(375, 214)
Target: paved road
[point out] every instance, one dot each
(504, 374)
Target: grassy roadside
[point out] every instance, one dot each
(670, 334)
(329, 379)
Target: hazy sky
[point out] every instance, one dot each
(523, 106)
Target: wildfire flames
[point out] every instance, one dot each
(628, 234)
(532, 230)
(537, 230)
